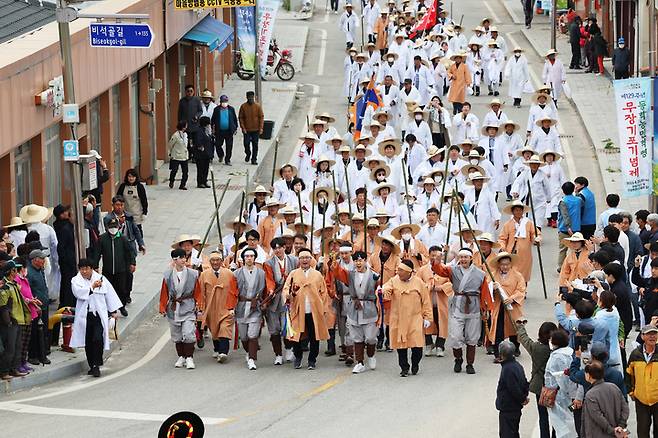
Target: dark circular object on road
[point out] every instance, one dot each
(183, 424)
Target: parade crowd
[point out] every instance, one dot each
(415, 231)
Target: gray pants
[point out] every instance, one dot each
(275, 321)
(463, 330)
(363, 333)
(343, 331)
(11, 340)
(248, 330)
(183, 331)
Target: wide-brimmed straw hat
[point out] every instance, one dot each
(486, 127)
(324, 159)
(310, 136)
(550, 52)
(542, 119)
(313, 195)
(434, 151)
(473, 154)
(294, 169)
(272, 202)
(361, 147)
(576, 237)
(287, 210)
(379, 187)
(365, 137)
(509, 122)
(184, 238)
(458, 54)
(534, 160)
(383, 167)
(335, 137)
(318, 231)
(467, 168)
(238, 221)
(325, 115)
(389, 142)
(503, 255)
(33, 213)
(557, 156)
(465, 229)
(14, 222)
(488, 237)
(524, 149)
(495, 101)
(476, 176)
(298, 223)
(397, 231)
(259, 190)
(391, 240)
(516, 203)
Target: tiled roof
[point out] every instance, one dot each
(21, 16)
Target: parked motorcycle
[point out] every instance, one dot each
(278, 61)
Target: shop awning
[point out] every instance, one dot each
(212, 33)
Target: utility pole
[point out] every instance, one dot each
(553, 24)
(69, 97)
(257, 71)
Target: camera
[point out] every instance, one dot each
(584, 336)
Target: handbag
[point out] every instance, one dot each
(547, 397)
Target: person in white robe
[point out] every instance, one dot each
(495, 36)
(390, 151)
(458, 42)
(546, 137)
(282, 188)
(360, 75)
(455, 164)
(401, 46)
(408, 100)
(517, 74)
(432, 232)
(348, 64)
(556, 177)
(96, 298)
(542, 107)
(496, 115)
(390, 67)
(554, 74)
(384, 198)
(495, 63)
(510, 141)
(480, 200)
(422, 78)
(308, 152)
(497, 153)
(371, 12)
(475, 63)
(419, 127)
(358, 173)
(374, 57)
(349, 23)
(384, 117)
(439, 72)
(541, 190)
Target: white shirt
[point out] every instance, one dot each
(307, 301)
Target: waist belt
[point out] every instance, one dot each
(468, 296)
(243, 298)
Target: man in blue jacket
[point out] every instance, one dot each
(511, 393)
(224, 124)
(599, 352)
(588, 214)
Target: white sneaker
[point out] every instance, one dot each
(189, 363)
(215, 355)
(221, 357)
(358, 368)
(180, 362)
(440, 352)
(429, 350)
(372, 363)
(278, 360)
(251, 364)
(290, 356)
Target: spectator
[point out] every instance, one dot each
(610, 245)
(118, 261)
(621, 60)
(204, 149)
(634, 242)
(224, 124)
(584, 35)
(178, 155)
(608, 316)
(582, 312)
(207, 104)
(511, 393)
(16, 229)
(32, 305)
(588, 214)
(615, 277)
(36, 216)
(641, 220)
(102, 176)
(251, 120)
(599, 352)
(539, 352)
(652, 222)
(576, 264)
(612, 201)
(134, 195)
(38, 350)
(190, 110)
(93, 234)
(647, 286)
(600, 51)
(600, 259)
(574, 40)
(65, 252)
(15, 321)
(569, 218)
(555, 378)
(605, 410)
(616, 221)
(642, 383)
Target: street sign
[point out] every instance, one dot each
(71, 150)
(71, 113)
(211, 4)
(122, 35)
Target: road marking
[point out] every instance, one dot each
(323, 51)
(140, 363)
(493, 14)
(322, 388)
(115, 415)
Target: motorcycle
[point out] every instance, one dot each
(278, 61)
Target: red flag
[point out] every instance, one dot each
(428, 21)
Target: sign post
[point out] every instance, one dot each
(71, 150)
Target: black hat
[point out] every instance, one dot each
(585, 328)
(178, 253)
(182, 424)
(112, 223)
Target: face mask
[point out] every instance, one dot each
(474, 161)
(406, 237)
(224, 104)
(418, 117)
(112, 231)
(621, 46)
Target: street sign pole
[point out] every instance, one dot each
(553, 24)
(257, 79)
(69, 98)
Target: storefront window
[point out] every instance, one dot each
(53, 158)
(94, 125)
(116, 129)
(134, 119)
(23, 176)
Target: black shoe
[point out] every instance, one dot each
(458, 365)
(298, 363)
(182, 188)
(171, 184)
(490, 350)
(311, 366)
(96, 372)
(45, 361)
(228, 163)
(330, 352)
(129, 300)
(123, 311)
(517, 352)
(202, 186)
(200, 343)
(34, 361)
(349, 360)
(470, 369)
(404, 373)
(254, 163)
(247, 157)
(490, 93)
(496, 93)
(414, 369)
(380, 346)
(90, 372)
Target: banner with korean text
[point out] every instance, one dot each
(245, 23)
(655, 137)
(633, 102)
(267, 10)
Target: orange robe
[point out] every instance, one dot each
(410, 304)
(514, 286)
(477, 260)
(357, 243)
(268, 229)
(381, 29)
(218, 299)
(460, 79)
(313, 287)
(523, 247)
(440, 290)
(575, 267)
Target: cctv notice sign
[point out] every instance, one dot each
(211, 4)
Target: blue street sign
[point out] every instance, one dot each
(123, 35)
(71, 150)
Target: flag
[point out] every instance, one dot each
(427, 23)
(370, 98)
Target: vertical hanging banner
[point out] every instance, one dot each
(246, 32)
(633, 101)
(267, 10)
(655, 137)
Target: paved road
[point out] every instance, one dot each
(140, 387)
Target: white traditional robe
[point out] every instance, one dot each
(370, 15)
(516, 71)
(349, 23)
(423, 80)
(432, 236)
(556, 177)
(536, 112)
(412, 96)
(422, 132)
(305, 162)
(542, 142)
(541, 192)
(553, 75)
(491, 118)
(465, 128)
(484, 210)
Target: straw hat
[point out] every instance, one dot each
(298, 223)
(389, 142)
(288, 233)
(472, 155)
(336, 137)
(365, 137)
(318, 122)
(310, 136)
(344, 148)
(324, 159)
(478, 29)
(476, 176)
(382, 213)
(400, 35)
(509, 122)
(294, 169)
(383, 167)
(433, 151)
(427, 180)
(557, 156)
(540, 120)
(576, 237)
(372, 223)
(391, 240)
(518, 49)
(503, 255)
(314, 194)
(341, 210)
(495, 102)
(352, 50)
(272, 202)
(493, 29)
(543, 89)
(487, 237)
(467, 230)
(382, 112)
(550, 52)
(535, 97)
(361, 147)
(418, 110)
(238, 221)
(466, 169)
(526, 148)
(206, 94)
(434, 174)
(459, 54)
(33, 213)
(492, 43)
(397, 231)
(287, 210)
(259, 190)
(318, 232)
(375, 124)
(490, 125)
(376, 190)
(516, 203)
(392, 54)
(364, 56)
(357, 217)
(375, 159)
(184, 238)
(325, 115)
(15, 222)
(534, 160)
(435, 54)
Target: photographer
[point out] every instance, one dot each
(609, 319)
(598, 352)
(583, 310)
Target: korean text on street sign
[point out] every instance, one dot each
(210, 4)
(633, 102)
(124, 35)
(71, 150)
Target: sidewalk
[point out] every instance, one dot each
(173, 212)
(592, 96)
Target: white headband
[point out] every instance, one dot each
(345, 249)
(465, 252)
